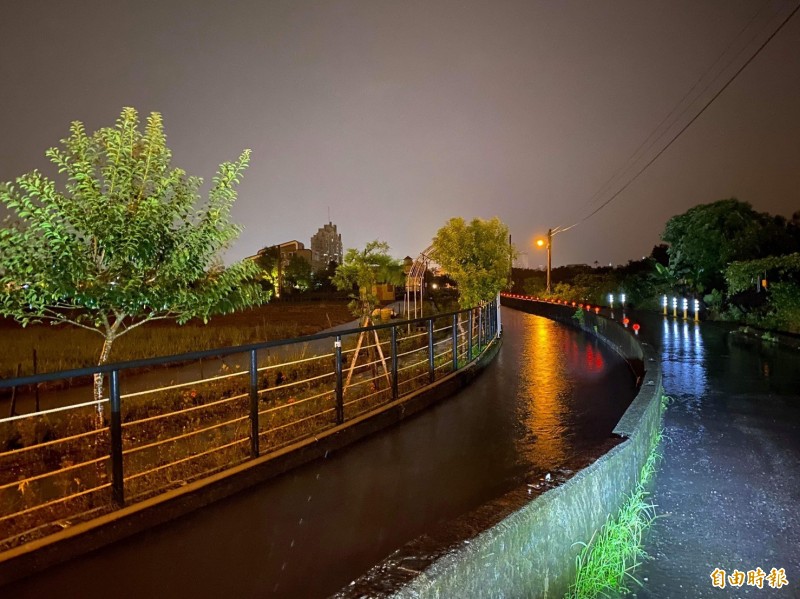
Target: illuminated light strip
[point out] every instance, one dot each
(181, 385)
(96, 402)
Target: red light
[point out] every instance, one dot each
(597, 309)
(625, 321)
(573, 304)
(588, 307)
(636, 327)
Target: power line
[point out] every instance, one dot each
(685, 127)
(652, 138)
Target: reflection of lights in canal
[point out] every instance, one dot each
(682, 356)
(544, 386)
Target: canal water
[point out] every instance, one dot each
(551, 396)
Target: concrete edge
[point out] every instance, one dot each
(85, 537)
(532, 551)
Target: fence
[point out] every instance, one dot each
(69, 464)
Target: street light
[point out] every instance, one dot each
(548, 243)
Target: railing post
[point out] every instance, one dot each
(254, 450)
(339, 383)
(480, 328)
(469, 337)
(431, 371)
(394, 362)
(455, 342)
(115, 430)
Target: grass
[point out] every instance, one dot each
(607, 563)
(67, 347)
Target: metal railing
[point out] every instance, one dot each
(70, 463)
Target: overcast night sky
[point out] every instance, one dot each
(400, 115)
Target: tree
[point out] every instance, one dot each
(125, 242)
(364, 270)
(267, 261)
(297, 273)
(477, 256)
(706, 238)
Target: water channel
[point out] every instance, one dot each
(549, 398)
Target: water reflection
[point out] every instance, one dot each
(544, 387)
(683, 357)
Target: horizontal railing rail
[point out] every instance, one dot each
(67, 464)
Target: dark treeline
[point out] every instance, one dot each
(742, 265)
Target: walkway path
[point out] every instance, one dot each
(728, 489)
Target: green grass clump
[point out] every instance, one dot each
(606, 564)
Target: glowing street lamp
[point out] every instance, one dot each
(685, 308)
(611, 300)
(664, 304)
(548, 243)
(622, 299)
(674, 307)
(697, 310)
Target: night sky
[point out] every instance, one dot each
(399, 115)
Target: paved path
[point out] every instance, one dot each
(728, 489)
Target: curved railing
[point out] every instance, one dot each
(168, 421)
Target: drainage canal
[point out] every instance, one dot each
(547, 403)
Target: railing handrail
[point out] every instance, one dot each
(206, 353)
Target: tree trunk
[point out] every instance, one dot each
(98, 378)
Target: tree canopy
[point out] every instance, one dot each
(744, 274)
(125, 240)
(364, 270)
(477, 256)
(705, 239)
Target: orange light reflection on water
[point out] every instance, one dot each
(544, 386)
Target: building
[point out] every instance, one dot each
(287, 250)
(326, 246)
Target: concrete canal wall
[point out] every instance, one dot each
(531, 552)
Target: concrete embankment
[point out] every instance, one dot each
(531, 551)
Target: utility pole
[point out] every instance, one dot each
(549, 264)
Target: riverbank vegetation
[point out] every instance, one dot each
(606, 564)
(66, 347)
(741, 265)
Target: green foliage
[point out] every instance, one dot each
(706, 238)
(477, 256)
(364, 270)
(714, 301)
(297, 273)
(580, 316)
(745, 274)
(124, 242)
(606, 564)
(267, 261)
